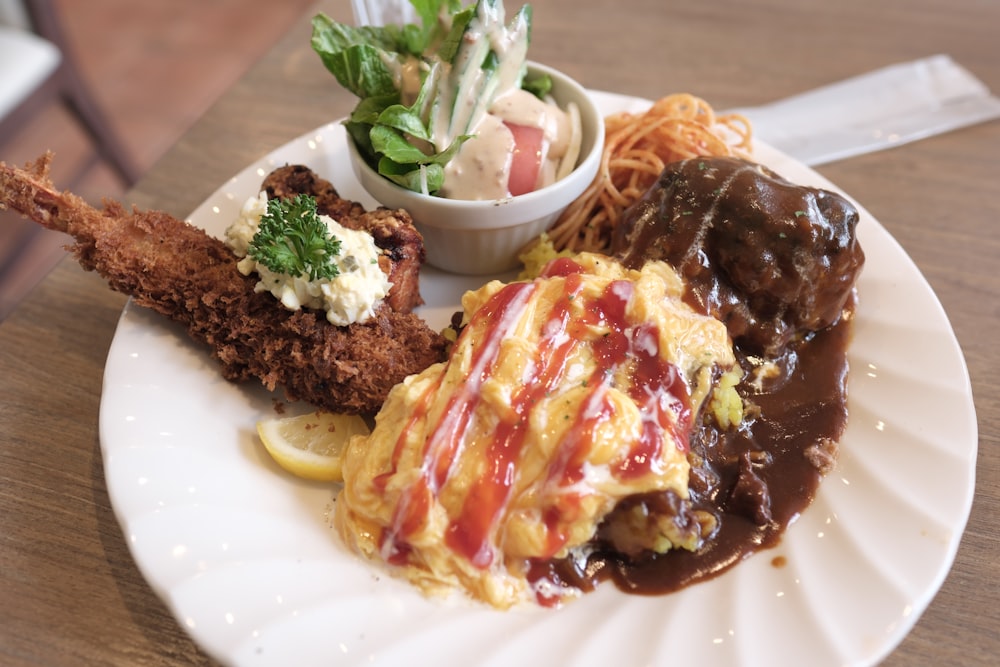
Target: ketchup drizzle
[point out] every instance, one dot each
(656, 386)
(441, 447)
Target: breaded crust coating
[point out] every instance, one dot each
(180, 271)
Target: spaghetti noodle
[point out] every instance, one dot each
(637, 147)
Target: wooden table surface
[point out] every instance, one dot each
(70, 593)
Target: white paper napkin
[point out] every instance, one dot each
(870, 112)
(884, 108)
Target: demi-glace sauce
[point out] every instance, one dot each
(803, 411)
(776, 262)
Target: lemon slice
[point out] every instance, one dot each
(311, 446)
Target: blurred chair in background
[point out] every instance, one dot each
(37, 70)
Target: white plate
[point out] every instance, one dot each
(243, 554)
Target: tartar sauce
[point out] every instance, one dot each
(352, 296)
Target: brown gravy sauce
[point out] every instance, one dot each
(802, 414)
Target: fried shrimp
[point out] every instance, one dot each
(178, 270)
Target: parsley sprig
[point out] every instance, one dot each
(293, 240)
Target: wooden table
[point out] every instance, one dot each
(70, 593)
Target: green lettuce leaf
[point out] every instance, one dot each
(396, 138)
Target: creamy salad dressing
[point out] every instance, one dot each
(352, 296)
(481, 169)
(407, 79)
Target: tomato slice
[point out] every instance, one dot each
(527, 158)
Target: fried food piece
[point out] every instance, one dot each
(401, 244)
(180, 271)
(294, 179)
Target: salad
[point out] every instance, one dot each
(449, 107)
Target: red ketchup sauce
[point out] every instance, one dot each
(754, 480)
(576, 319)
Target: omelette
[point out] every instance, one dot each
(562, 396)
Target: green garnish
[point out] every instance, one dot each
(539, 86)
(294, 241)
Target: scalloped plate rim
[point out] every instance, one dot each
(153, 369)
